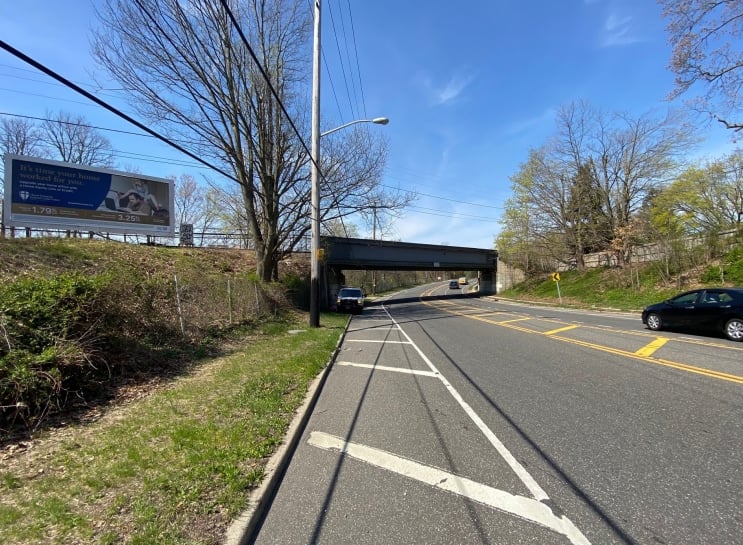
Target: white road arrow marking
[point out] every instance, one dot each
(388, 368)
(520, 506)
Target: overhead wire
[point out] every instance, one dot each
(356, 52)
(12, 50)
(453, 215)
(154, 134)
(359, 109)
(267, 80)
(176, 162)
(119, 153)
(448, 199)
(78, 124)
(54, 83)
(343, 66)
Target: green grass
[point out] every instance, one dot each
(621, 289)
(175, 467)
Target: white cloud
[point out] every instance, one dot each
(453, 88)
(618, 31)
(546, 118)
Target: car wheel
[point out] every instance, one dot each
(654, 322)
(734, 329)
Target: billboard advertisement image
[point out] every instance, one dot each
(52, 194)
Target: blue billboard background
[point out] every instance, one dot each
(45, 193)
(56, 185)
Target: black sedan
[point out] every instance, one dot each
(711, 309)
(350, 300)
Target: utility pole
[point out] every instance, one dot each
(374, 237)
(315, 219)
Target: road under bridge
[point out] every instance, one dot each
(338, 254)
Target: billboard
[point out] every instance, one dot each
(56, 195)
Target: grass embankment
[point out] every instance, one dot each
(629, 289)
(176, 466)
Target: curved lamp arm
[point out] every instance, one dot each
(377, 120)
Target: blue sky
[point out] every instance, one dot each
(469, 89)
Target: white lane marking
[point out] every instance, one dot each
(388, 368)
(526, 508)
(371, 341)
(517, 468)
(372, 329)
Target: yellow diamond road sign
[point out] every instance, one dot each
(556, 277)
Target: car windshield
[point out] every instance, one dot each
(350, 292)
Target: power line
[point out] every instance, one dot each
(119, 153)
(332, 86)
(271, 87)
(176, 162)
(78, 124)
(154, 134)
(356, 51)
(10, 49)
(26, 93)
(445, 198)
(54, 83)
(454, 215)
(343, 66)
(267, 80)
(350, 64)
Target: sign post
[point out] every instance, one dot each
(556, 280)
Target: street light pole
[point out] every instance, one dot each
(315, 211)
(315, 214)
(315, 242)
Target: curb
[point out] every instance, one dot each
(241, 529)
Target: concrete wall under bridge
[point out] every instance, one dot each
(339, 254)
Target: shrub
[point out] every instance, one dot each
(298, 289)
(47, 343)
(69, 338)
(730, 272)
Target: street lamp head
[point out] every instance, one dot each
(380, 120)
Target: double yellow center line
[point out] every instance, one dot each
(643, 354)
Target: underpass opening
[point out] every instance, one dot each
(339, 254)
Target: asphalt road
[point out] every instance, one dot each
(473, 420)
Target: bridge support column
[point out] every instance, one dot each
(334, 281)
(487, 283)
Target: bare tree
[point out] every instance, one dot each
(231, 215)
(355, 162)
(195, 205)
(581, 190)
(21, 137)
(188, 199)
(187, 71)
(72, 140)
(339, 228)
(706, 40)
(627, 156)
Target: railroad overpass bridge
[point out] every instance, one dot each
(338, 254)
